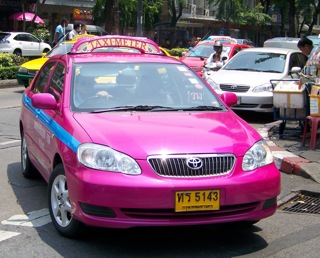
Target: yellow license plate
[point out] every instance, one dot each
(197, 200)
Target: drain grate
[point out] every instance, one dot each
(303, 202)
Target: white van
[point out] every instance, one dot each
(91, 29)
(282, 42)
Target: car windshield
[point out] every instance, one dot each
(104, 87)
(205, 50)
(62, 48)
(257, 61)
(4, 36)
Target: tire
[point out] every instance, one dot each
(46, 50)
(17, 52)
(60, 206)
(27, 168)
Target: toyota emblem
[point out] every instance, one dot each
(194, 163)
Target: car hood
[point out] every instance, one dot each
(194, 61)
(151, 133)
(35, 64)
(244, 77)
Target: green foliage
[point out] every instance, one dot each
(128, 12)
(235, 11)
(177, 51)
(41, 33)
(8, 72)
(9, 65)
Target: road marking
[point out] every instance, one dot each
(32, 219)
(4, 235)
(9, 142)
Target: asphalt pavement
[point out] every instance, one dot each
(290, 157)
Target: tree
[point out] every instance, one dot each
(234, 11)
(307, 14)
(175, 11)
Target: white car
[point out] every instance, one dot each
(248, 75)
(22, 44)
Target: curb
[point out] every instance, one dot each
(288, 162)
(8, 83)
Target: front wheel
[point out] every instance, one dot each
(27, 168)
(60, 206)
(17, 52)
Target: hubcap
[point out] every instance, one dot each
(60, 203)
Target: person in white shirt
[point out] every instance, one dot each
(75, 31)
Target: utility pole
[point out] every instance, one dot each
(139, 19)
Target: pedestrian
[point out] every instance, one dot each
(75, 31)
(307, 48)
(60, 31)
(83, 28)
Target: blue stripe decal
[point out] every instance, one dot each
(52, 125)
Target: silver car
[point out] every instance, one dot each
(22, 44)
(248, 75)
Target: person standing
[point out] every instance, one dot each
(306, 47)
(60, 31)
(75, 31)
(83, 28)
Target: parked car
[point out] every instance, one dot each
(91, 29)
(22, 44)
(246, 41)
(282, 42)
(128, 139)
(28, 70)
(248, 75)
(315, 39)
(196, 57)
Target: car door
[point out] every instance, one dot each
(24, 44)
(37, 132)
(34, 45)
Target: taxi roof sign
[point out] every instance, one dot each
(88, 45)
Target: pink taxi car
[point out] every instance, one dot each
(127, 137)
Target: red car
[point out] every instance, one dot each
(197, 56)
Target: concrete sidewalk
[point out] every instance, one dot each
(290, 157)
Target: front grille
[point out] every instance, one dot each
(234, 88)
(230, 210)
(176, 165)
(32, 72)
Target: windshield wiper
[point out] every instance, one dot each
(243, 69)
(134, 108)
(271, 71)
(201, 108)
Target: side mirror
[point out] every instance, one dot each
(44, 101)
(229, 98)
(295, 69)
(183, 53)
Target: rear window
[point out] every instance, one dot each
(4, 36)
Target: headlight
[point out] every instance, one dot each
(259, 155)
(22, 70)
(214, 85)
(265, 87)
(104, 158)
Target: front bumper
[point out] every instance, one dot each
(106, 199)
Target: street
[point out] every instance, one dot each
(26, 229)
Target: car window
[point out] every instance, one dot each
(138, 84)
(60, 49)
(257, 61)
(57, 81)
(4, 36)
(39, 85)
(31, 38)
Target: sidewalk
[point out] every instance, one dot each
(290, 157)
(288, 154)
